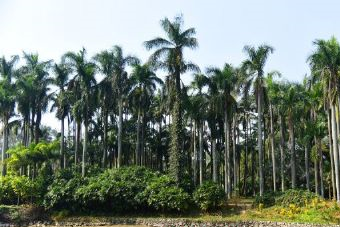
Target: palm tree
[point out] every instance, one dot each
(272, 92)
(35, 72)
(292, 98)
(169, 56)
(144, 82)
(7, 102)
(325, 60)
(113, 64)
(106, 66)
(85, 72)
(224, 81)
(62, 72)
(255, 62)
(199, 82)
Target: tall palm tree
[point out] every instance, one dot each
(113, 64)
(35, 72)
(7, 101)
(224, 81)
(169, 56)
(272, 93)
(105, 62)
(61, 78)
(255, 62)
(199, 82)
(144, 82)
(326, 61)
(85, 72)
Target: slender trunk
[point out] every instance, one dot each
(272, 146)
(331, 152)
(245, 174)
(4, 145)
(234, 154)
(32, 126)
(292, 150)
(322, 193)
(201, 151)
(259, 122)
(105, 138)
(142, 149)
(62, 143)
(159, 150)
(252, 166)
(195, 154)
(37, 127)
(214, 158)
(307, 167)
(138, 147)
(120, 130)
(316, 176)
(86, 131)
(335, 151)
(78, 130)
(282, 157)
(226, 154)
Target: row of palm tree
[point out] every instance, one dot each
(240, 126)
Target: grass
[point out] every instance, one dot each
(320, 212)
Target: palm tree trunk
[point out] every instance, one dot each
(322, 193)
(32, 126)
(292, 150)
(86, 131)
(226, 154)
(195, 154)
(62, 143)
(331, 152)
(142, 148)
(138, 147)
(234, 154)
(245, 174)
(105, 138)
(272, 146)
(259, 125)
(307, 166)
(37, 127)
(76, 150)
(176, 155)
(335, 151)
(316, 176)
(214, 158)
(201, 151)
(120, 130)
(4, 145)
(282, 158)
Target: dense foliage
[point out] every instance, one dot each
(209, 196)
(237, 126)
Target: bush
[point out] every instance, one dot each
(298, 198)
(163, 194)
(209, 196)
(118, 189)
(267, 200)
(60, 194)
(7, 195)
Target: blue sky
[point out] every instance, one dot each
(52, 27)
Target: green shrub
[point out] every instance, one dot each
(267, 200)
(117, 189)
(7, 195)
(163, 194)
(209, 196)
(60, 194)
(297, 197)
